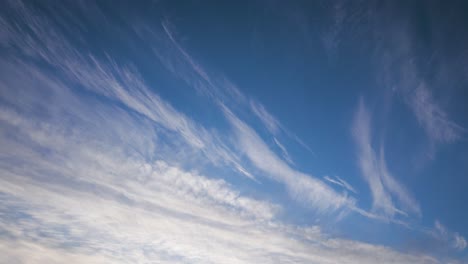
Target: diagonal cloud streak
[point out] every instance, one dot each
(303, 187)
(340, 182)
(383, 185)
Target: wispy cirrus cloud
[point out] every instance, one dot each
(340, 182)
(402, 61)
(301, 186)
(404, 78)
(306, 188)
(269, 121)
(274, 126)
(103, 205)
(81, 183)
(454, 239)
(88, 190)
(125, 86)
(284, 151)
(122, 84)
(403, 71)
(217, 87)
(384, 187)
(96, 167)
(432, 117)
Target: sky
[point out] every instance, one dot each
(233, 132)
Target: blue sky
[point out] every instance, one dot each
(233, 132)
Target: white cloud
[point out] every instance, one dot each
(265, 117)
(340, 182)
(432, 117)
(460, 242)
(116, 82)
(32, 252)
(127, 88)
(95, 203)
(96, 230)
(301, 186)
(440, 228)
(383, 185)
(274, 126)
(305, 188)
(284, 151)
(453, 239)
(218, 88)
(400, 72)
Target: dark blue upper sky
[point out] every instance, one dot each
(234, 131)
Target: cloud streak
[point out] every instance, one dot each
(340, 182)
(307, 189)
(217, 88)
(432, 117)
(454, 239)
(402, 72)
(384, 187)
